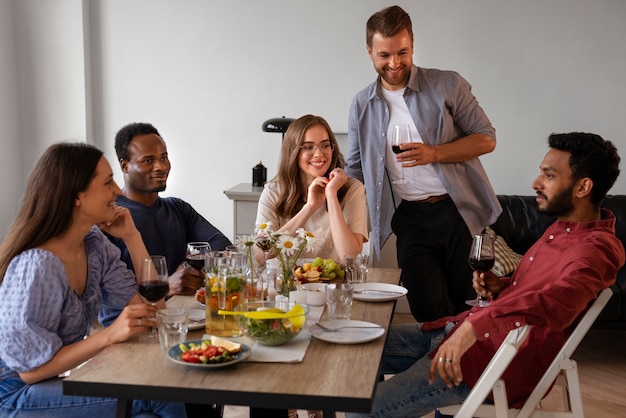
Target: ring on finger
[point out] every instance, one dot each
(138, 322)
(441, 359)
(448, 360)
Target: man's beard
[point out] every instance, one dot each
(158, 189)
(560, 204)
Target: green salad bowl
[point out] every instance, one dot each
(274, 331)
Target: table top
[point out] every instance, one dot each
(333, 377)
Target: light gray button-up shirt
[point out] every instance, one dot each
(444, 110)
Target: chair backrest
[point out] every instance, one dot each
(566, 352)
(492, 373)
(491, 376)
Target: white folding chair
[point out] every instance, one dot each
(563, 371)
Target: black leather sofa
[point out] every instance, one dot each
(520, 225)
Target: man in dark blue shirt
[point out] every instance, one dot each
(166, 224)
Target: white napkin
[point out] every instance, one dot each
(292, 352)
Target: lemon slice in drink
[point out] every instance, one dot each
(227, 344)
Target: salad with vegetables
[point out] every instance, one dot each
(207, 352)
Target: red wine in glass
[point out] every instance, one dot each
(153, 286)
(401, 135)
(196, 261)
(196, 253)
(154, 291)
(481, 259)
(482, 264)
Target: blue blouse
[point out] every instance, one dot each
(40, 313)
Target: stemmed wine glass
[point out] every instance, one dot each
(153, 286)
(265, 244)
(196, 254)
(481, 258)
(401, 135)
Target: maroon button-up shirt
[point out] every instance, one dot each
(556, 280)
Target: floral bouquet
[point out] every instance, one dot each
(283, 245)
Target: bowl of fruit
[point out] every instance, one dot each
(319, 269)
(271, 323)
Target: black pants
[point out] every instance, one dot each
(433, 245)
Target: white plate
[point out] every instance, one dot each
(373, 296)
(347, 335)
(197, 319)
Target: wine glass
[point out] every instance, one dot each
(153, 286)
(196, 254)
(481, 258)
(401, 135)
(265, 244)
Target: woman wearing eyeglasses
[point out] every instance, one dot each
(312, 191)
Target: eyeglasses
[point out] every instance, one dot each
(324, 147)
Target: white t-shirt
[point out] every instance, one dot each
(423, 179)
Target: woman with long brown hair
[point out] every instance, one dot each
(57, 270)
(312, 191)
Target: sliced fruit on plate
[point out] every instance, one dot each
(231, 346)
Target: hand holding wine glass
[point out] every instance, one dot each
(481, 259)
(153, 285)
(401, 135)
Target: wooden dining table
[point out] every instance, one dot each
(331, 377)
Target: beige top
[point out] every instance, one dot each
(353, 207)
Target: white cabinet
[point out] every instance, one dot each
(245, 202)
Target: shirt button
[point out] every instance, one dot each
(568, 230)
(514, 283)
(551, 237)
(531, 258)
(517, 324)
(486, 335)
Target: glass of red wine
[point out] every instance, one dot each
(401, 135)
(153, 286)
(196, 254)
(481, 258)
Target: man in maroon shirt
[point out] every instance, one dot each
(556, 280)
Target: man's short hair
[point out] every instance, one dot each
(127, 133)
(388, 22)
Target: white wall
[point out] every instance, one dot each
(43, 88)
(208, 73)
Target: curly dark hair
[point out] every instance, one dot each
(127, 133)
(590, 156)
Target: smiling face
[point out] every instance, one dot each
(393, 58)
(555, 186)
(96, 204)
(148, 168)
(316, 162)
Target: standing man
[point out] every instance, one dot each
(448, 197)
(166, 224)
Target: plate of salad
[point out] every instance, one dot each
(205, 355)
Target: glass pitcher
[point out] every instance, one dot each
(225, 289)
